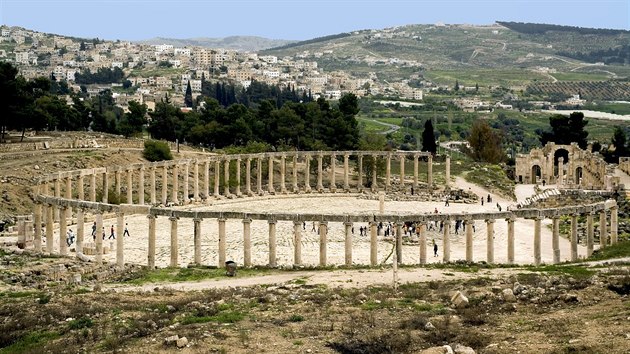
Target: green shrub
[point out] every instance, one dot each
(156, 151)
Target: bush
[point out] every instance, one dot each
(156, 151)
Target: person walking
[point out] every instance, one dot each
(111, 233)
(126, 233)
(94, 230)
(435, 249)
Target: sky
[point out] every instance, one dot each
(290, 19)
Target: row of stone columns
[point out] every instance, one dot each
(138, 186)
(65, 214)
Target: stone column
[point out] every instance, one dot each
(294, 171)
(63, 229)
(374, 184)
(468, 224)
(105, 178)
(57, 195)
(346, 173)
(510, 240)
(151, 251)
(259, 175)
(348, 242)
(297, 241)
(415, 171)
(373, 244)
(37, 217)
(307, 174)
(152, 185)
(323, 242)
(448, 171)
(555, 238)
(206, 180)
(141, 186)
(175, 191)
(80, 188)
(197, 240)
(423, 243)
(93, 187)
(69, 187)
(217, 176)
(614, 217)
(399, 236)
(574, 237)
(49, 229)
(196, 181)
(388, 172)
(333, 184)
(174, 242)
(186, 183)
(120, 240)
(129, 186)
(248, 177)
(80, 231)
(98, 238)
(590, 232)
(238, 177)
(402, 171)
(164, 184)
(446, 241)
(247, 242)
(226, 178)
(360, 182)
(490, 241)
(117, 183)
(603, 233)
(272, 243)
(222, 242)
(560, 171)
(283, 166)
(28, 233)
(430, 171)
(537, 258)
(320, 185)
(270, 175)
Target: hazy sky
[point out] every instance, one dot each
(290, 19)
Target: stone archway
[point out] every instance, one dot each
(536, 174)
(564, 154)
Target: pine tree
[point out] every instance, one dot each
(428, 138)
(188, 100)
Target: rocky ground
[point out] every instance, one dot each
(45, 307)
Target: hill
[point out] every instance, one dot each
(505, 53)
(242, 43)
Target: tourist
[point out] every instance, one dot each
(111, 233)
(94, 230)
(446, 202)
(489, 199)
(482, 201)
(435, 249)
(313, 230)
(411, 190)
(303, 225)
(126, 233)
(498, 206)
(69, 237)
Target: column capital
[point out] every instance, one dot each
(471, 221)
(151, 216)
(272, 221)
(490, 221)
(297, 222)
(120, 213)
(247, 221)
(323, 223)
(348, 223)
(510, 219)
(173, 218)
(197, 219)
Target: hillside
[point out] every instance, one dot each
(241, 43)
(493, 54)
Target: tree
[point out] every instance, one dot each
(485, 143)
(131, 124)
(619, 141)
(566, 130)
(428, 138)
(456, 88)
(188, 100)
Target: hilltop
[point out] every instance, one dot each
(503, 53)
(240, 43)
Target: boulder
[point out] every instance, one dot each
(508, 295)
(182, 342)
(445, 349)
(462, 349)
(171, 340)
(459, 300)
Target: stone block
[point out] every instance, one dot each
(459, 300)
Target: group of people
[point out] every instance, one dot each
(112, 233)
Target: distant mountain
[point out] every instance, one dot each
(241, 43)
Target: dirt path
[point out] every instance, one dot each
(358, 278)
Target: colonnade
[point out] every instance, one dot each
(189, 181)
(80, 203)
